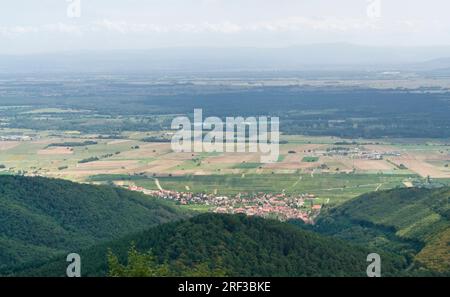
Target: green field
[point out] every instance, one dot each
(336, 187)
(247, 165)
(310, 159)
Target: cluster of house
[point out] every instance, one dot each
(375, 155)
(359, 153)
(269, 211)
(16, 138)
(279, 206)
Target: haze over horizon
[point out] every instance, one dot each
(47, 26)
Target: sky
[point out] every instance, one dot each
(30, 26)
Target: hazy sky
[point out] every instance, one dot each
(28, 26)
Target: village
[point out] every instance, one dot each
(268, 205)
(358, 153)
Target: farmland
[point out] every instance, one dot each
(328, 148)
(332, 168)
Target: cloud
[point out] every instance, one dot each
(48, 28)
(126, 27)
(16, 30)
(316, 24)
(290, 24)
(62, 28)
(282, 25)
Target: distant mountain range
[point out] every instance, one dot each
(296, 58)
(434, 67)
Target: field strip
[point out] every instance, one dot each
(379, 186)
(297, 181)
(354, 187)
(158, 185)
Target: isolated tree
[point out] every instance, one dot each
(146, 265)
(139, 265)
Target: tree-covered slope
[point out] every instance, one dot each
(40, 217)
(235, 245)
(410, 221)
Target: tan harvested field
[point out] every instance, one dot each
(118, 141)
(191, 172)
(82, 171)
(439, 157)
(421, 167)
(302, 148)
(233, 158)
(429, 155)
(343, 163)
(56, 151)
(162, 166)
(46, 141)
(6, 145)
(79, 174)
(291, 165)
(179, 156)
(418, 159)
(147, 150)
(96, 165)
(372, 165)
(292, 158)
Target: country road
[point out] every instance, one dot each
(158, 185)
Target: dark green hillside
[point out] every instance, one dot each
(235, 244)
(40, 217)
(410, 221)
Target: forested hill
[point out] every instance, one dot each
(40, 217)
(415, 222)
(231, 245)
